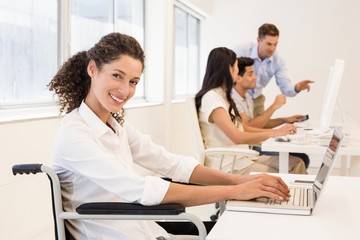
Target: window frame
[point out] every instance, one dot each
(29, 110)
(193, 11)
(157, 60)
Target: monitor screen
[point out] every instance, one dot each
(331, 93)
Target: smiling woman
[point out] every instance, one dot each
(108, 60)
(95, 149)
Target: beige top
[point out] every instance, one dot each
(213, 136)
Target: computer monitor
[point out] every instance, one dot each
(331, 93)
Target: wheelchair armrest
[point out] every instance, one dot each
(121, 208)
(26, 168)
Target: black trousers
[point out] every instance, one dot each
(303, 156)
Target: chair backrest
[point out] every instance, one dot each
(60, 231)
(195, 127)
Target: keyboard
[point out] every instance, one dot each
(296, 136)
(299, 138)
(299, 197)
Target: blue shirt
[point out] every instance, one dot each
(266, 69)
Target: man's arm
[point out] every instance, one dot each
(264, 120)
(278, 121)
(303, 85)
(284, 83)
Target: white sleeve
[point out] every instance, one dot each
(211, 101)
(156, 158)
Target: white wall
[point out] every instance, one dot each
(313, 34)
(25, 199)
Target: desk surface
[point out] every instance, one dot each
(314, 144)
(272, 145)
(336, 216)
(351, 148)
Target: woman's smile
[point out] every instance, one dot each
(117, 100)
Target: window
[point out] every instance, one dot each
(92, 19)
(186, 62)
(30, 46)
(28, 50)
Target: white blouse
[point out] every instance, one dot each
(94, 164)
(213, 136)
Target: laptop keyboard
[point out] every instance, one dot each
(299, 197)
(296, 136)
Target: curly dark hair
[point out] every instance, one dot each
(72, 82)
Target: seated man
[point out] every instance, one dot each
(244, 103)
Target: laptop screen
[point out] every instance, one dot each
(328, 162)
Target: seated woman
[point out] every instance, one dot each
(220, 121)
(95, 148)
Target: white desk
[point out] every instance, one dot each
(349, 151)
(284, 148)
(335, 217)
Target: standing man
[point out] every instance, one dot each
(268, 64)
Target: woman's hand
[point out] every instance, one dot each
(261, 185)
(285, 130)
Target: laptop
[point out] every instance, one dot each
(303, 196)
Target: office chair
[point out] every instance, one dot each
(202, 152)
(105, 210)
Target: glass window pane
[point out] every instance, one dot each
(28, 50)
(181, 58)
(92, 19)
(186, 60)
(193, 75)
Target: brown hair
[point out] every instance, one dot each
(268, 29)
